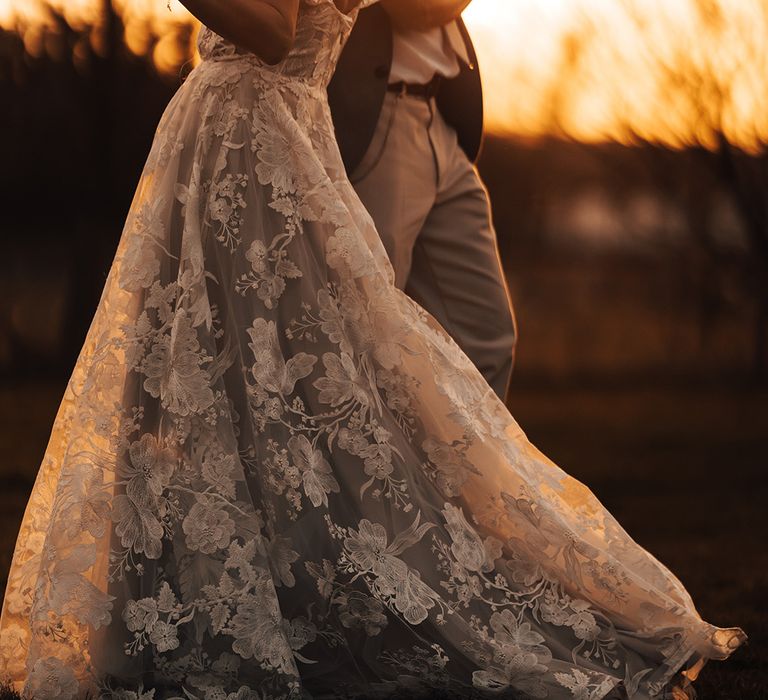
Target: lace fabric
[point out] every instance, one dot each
(273, 475)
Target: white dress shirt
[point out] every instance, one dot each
(420, 55)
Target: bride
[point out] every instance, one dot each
(273, 475)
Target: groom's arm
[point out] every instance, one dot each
(423, 14)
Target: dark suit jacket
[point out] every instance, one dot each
(359, 85)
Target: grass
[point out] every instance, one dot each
(684, 472)
(682, 469)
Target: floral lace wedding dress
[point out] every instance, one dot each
(273, 475)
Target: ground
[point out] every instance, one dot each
(683, 469)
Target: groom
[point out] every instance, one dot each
(407, 104)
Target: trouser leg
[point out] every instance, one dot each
(397, 179)
(433, 215)
(456, 272)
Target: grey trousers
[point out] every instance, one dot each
(434, 219)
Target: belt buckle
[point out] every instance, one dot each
(433, 86)
(428, 89)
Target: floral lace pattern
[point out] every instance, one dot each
(274, 476)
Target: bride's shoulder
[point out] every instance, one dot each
(210, 44)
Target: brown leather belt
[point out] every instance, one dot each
(425, 91)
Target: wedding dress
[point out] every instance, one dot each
(273, 475)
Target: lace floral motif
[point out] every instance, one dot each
(274, 476)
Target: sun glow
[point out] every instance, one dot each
(676, 71)
(679, 72)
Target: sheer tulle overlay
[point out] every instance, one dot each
(273, 475)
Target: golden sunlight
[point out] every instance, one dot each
(672, 71)
(678, 72)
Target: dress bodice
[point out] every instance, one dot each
(321, 31)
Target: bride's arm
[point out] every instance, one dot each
(264, 27)
(423, 14)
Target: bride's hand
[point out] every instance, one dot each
(267, 28)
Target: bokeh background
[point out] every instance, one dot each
(626, 158)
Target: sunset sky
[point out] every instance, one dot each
(672, 71)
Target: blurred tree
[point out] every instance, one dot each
(80, 115)
(705, 87)
(697, 84)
